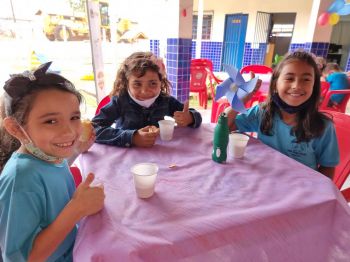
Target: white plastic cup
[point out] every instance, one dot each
(145, 175)
(166, 128)
(237, 145)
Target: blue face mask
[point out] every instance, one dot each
(288, 108)
(36, 151)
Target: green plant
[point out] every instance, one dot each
(277, 59)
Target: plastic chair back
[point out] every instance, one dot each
(103, 102)
(342, 127)
(76, 175)
(338, 108)
(208, 64)
(257, 69)
(324, 88)
(202, 62)
(198, 83)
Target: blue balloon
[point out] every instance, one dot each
(345, 10)
(336, 6)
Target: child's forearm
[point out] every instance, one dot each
(51, 237)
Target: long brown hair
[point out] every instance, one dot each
(138, 64)
(310, 122)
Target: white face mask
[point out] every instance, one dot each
(36, 151)
(145, 103)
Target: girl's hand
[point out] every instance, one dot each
(87, 137)
(184, 117)
(83, 146)
(89, 199)
(146, 136)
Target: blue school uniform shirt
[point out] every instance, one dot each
(128, 117)
(32, 194)
(337, 81)
(322, 150)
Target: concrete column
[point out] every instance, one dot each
(179, 47)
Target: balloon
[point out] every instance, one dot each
(345, 10)
(333, 19)
(323, 19)
(336, 6)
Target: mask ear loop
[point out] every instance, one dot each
(27, 138)
(35, 151)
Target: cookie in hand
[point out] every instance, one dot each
(87, 130)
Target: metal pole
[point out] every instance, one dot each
(93, 13)
(13, 12)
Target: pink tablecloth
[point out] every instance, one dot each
(264, 207)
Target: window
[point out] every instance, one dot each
(282, 30)
(206, 26)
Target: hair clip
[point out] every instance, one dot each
(29, 75)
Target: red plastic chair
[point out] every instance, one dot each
(257, 69)
(201, 70)
(324, 88)
(338, 108)
(217, 108)
(208, 64)
(103, 102)
(198, 84)
(346, 194)
(342, 127)
(76, 175)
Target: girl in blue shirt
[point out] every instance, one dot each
(139, 99)
(337, 80)
(39, 206)
(289, 120)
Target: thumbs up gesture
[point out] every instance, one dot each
(184, 117)
(89, 198)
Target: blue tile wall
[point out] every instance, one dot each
(254, 56)
(154, 47)
(295, 46)
(320, 49)
(347, 67)
(210, 50)
(317, 48)
(178, 60)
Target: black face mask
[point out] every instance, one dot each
(288, 108)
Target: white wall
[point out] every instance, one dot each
(304, 23)
(321, 33)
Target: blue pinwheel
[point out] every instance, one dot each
(235, 88)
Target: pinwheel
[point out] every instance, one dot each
(235, 88)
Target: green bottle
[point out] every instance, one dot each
(220, 141)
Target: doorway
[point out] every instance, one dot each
(234, 39)
(280, 36)
(341, 38)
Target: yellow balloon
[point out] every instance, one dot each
(333, 19)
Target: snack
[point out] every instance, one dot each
(87, 130)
